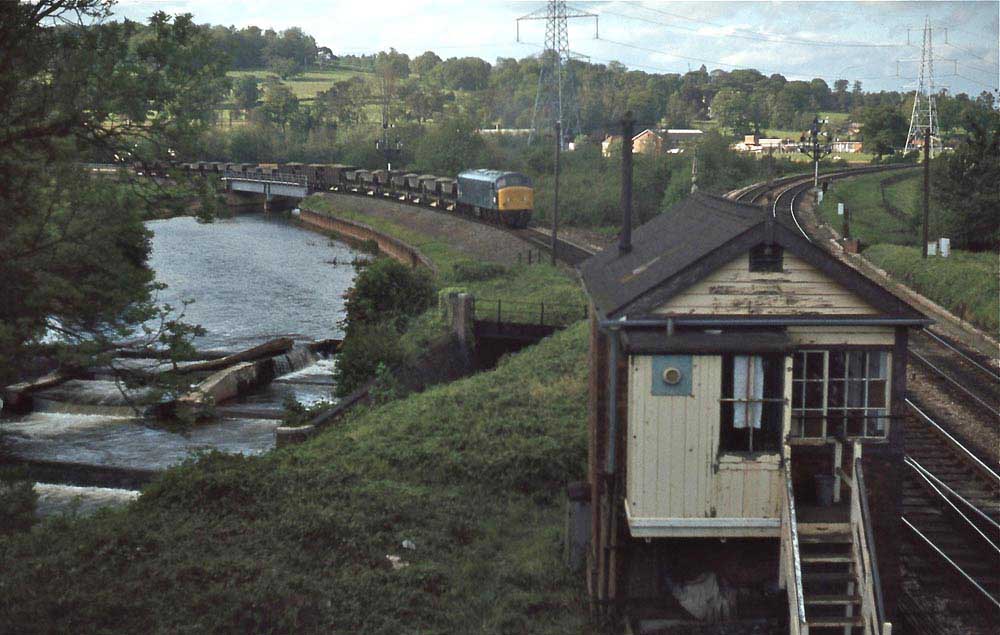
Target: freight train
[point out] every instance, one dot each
(498, 196)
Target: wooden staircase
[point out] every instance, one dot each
(829, 578)
(829, 568)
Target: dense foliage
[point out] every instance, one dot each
(72, 245)
(965, 187)
(386, 295)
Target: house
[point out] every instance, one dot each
(610, 143)
(651, 141)
(648, 142)
(847, 147)
(745, 427)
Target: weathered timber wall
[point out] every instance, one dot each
(735, 290)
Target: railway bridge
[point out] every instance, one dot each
(292, 186)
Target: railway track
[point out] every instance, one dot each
(951, 493)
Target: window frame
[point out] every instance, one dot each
(796, 433)
(726, 360)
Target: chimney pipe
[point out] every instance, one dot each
(625, 241)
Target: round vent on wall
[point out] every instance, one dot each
(671, 376)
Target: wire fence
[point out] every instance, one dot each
(500, 311)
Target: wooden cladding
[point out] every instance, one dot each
(798, 289)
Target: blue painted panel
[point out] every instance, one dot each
(683, 387)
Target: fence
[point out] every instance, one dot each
(549, 314)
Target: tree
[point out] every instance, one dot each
(965, 187)
(280, 104)
(284, 67)
(884, 129)
(730, 108)
(424, 63)
(73, 248)
(449, 147)
(246, 92)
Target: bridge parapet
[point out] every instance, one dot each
(283, 178)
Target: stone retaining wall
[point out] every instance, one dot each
(354, 230)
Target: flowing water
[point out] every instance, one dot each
(252, 278)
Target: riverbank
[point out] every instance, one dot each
(469, 476)
(307, 538)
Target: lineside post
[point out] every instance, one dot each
(555, 197)
(927, 189)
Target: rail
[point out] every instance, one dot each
(950, 562)
(863, 546)
(963, 451)
(954, 382)
(500, 311)
(942, 489)
(791, 560)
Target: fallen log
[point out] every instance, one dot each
(267, 349)
(17, 397)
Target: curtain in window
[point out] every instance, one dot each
(748, 385)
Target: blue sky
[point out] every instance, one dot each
(856, 40)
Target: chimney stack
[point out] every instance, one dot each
(625, 240)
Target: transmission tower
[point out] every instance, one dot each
(551, 99)
(924, 117)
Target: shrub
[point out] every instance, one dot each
(17, 503)
(368, 346)
(387, 291)
(475, 271)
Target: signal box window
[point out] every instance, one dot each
(766, 257)
(752, 403)
(840, 394)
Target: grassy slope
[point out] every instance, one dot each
(869, 219)
(297, 539)
(305, 86)
(967, 284)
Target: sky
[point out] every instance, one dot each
(858, 40)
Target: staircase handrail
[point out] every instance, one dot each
(792, 560)
(863, 544)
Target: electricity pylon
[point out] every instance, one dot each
(550, 96)
(924, 118)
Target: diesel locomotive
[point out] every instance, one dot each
(498, 196)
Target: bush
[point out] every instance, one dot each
(387, 291)
(365, 349)
(475, 271)
(17, 502)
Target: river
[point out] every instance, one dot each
(251, 278)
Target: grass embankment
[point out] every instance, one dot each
(539, 282)
(967, 284)
(297, 540)
(871, 220)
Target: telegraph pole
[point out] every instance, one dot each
(555, 198)
(625, 241)
(927, 189)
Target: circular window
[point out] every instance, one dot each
(672, 376)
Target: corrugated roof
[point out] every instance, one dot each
(664, 246)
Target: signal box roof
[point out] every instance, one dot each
(695, 237)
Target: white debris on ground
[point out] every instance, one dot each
(61, 499)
